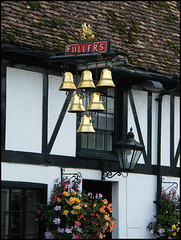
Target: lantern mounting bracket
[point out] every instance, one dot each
(109, 170)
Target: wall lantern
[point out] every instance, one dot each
(129, 152)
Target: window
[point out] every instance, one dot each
(18, 215)
(103, 123)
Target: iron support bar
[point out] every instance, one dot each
(109, 170)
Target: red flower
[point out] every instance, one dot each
(38, 211)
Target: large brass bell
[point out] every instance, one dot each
(67, 82)
(96, 103)
(106, 79)
(86, 80)
(86, 124)
(76, 104)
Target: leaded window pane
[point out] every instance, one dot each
(100, 141)
(84, 140)
(110, 122)
(17, 199)
(91, 140)
(108, 142)
(102, 121)
(110, 105)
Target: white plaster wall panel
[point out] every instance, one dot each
(30, 173)
(65, 142)
(141, 192)
(23, 110)
(165, 131)
(122, 206)
(177, 125)
(140, 100)
(154, 128)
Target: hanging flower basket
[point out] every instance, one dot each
(74, 215)
(166, 225)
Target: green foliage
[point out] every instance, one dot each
(166, 225)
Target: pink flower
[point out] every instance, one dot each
(77, 223)
(92, 214)
(75, 237)
(93, 222)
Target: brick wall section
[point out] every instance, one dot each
(150, 30)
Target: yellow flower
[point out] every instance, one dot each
(100, 235)
(77, 200)
(106, 217)
(71, 201)
(85, 205)
(174, 233)
(58, 200)
(76, 207)
(74, 212)
(173, 226)
(65, 212)
(74, 193)
(66, 194)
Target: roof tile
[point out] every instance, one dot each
(150, 30)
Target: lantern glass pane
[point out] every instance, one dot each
(135, 158)
(119, 151)
(127, 156)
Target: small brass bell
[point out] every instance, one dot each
(86, 80)
(67, 82)
(86, 124)
(76, 104)
(96, 103)
(106, 79)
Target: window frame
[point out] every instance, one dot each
(42, 198)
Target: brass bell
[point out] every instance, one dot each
(86, 80)
(76, 104)
(67, 82)
(86, 124)
(106, 79)
(96, 103)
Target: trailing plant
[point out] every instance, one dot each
(166, 225)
